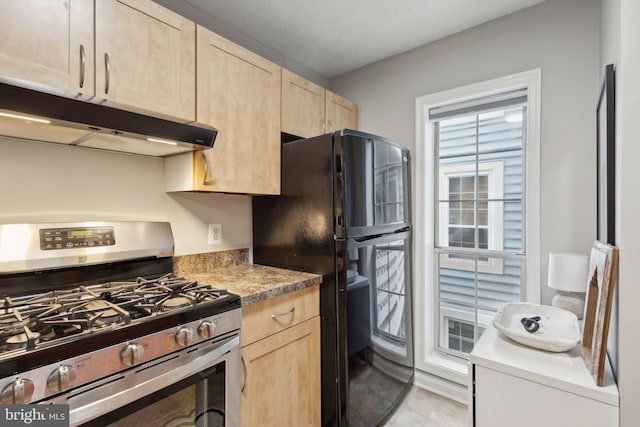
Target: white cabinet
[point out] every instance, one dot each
(515, 385)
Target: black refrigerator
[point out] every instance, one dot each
(344, 213)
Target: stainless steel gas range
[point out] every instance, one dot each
(92, 317)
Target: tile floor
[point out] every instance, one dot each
(422, 408)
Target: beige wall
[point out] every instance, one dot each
(559, 36)
(51, 182)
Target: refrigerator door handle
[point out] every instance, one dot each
(380, 238)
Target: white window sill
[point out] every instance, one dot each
(446, 366)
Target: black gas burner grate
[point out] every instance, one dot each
(26, 321)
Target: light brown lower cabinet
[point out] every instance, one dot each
(282, 382)
(281, 361)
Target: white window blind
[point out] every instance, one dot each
(479, 249)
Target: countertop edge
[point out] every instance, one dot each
(561, 370)
(254, 282)
(280, 290)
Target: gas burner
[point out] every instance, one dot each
(26, 339)
(106, 314)
(176, 302)
(206, 293)
(13, 323)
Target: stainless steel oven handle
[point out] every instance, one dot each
(244, 370)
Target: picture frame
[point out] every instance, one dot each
(603, 267)
(606, 151)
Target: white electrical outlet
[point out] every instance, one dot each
(215, 234)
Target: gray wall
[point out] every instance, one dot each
(559, 36)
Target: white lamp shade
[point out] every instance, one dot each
(568, 272)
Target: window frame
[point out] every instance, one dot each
(430, 363)
(495, 171)
(451, 314)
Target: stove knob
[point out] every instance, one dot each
(184, 336)
(207, 329)
(131, 354)
(18, 392)
(62, 378)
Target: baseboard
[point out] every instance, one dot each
(449, 389)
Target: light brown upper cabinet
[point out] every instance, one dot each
(340, 113)
(302, 106)
(309, 110)
(145, 58)
(238, 94)
(48, 45)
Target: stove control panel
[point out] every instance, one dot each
(76, 237)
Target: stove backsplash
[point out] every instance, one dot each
(203, 263)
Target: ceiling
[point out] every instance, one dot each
(332, 37)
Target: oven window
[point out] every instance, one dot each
(196, 401)
(178, 409)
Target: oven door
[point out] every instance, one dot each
(199, 386)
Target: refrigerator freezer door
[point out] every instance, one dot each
(372, 185)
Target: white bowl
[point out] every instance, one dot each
(559, 329)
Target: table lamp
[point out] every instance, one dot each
(568, 273)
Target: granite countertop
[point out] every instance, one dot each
(253, 282)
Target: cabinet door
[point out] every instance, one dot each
(282, 382)
(238, 94)
(302, 106)
(48, 45)
(341, 113)
(145, 58)
(506, 400)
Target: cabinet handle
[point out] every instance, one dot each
(83, 61)
(330, 126)
(244, 369)
(322, 126)
(273, 316)
(205, 181)
(107, 67)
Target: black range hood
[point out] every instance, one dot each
(102, 126)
